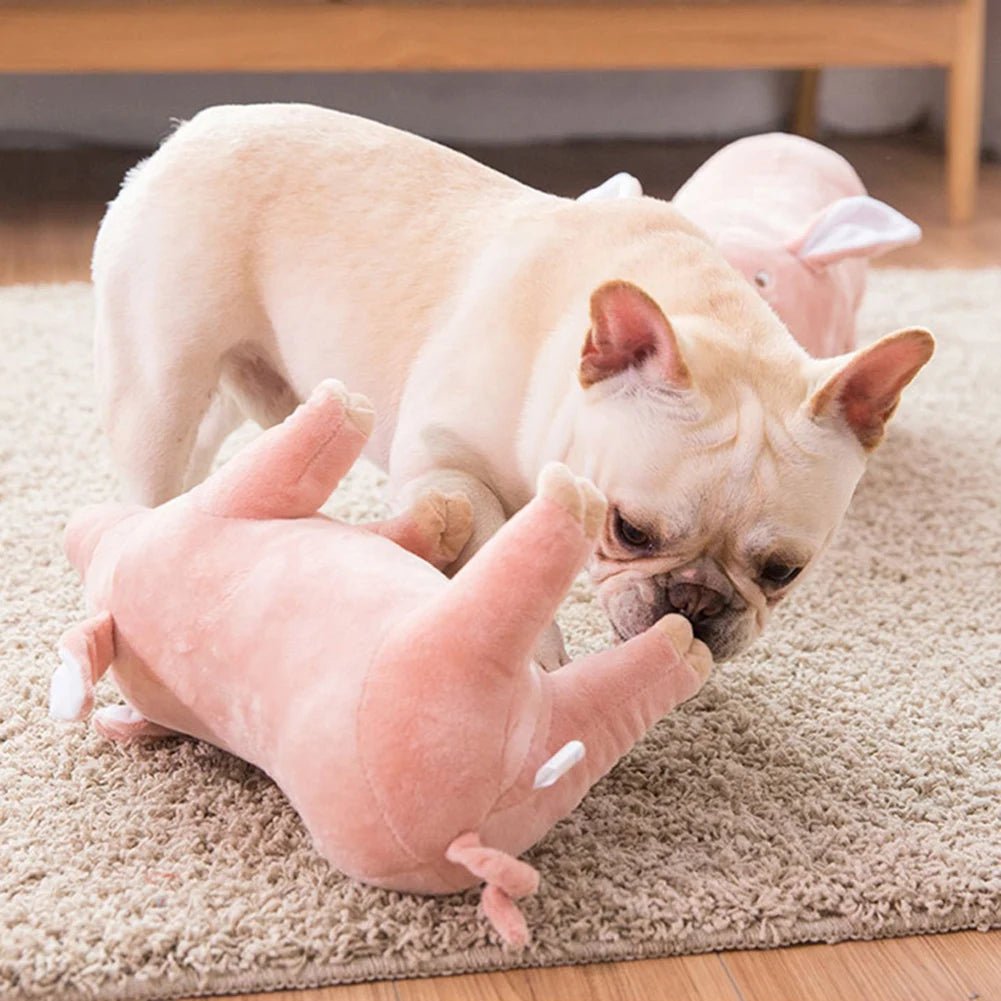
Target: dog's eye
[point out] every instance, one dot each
(628, 534)
(763, 279)
(779, 573)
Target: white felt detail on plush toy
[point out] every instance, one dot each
(570, 754)
(67, 691)
(858, 226)
(121, 713)
(621, 185)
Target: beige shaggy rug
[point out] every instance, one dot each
(841, 780)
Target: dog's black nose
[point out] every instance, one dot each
(696, 602)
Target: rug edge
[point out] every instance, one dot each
(494, 959)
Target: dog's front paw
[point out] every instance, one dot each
(445, 522)
(577, 495)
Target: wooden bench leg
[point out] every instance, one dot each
(965, 104)
(804, 116)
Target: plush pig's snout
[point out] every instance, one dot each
(86, 529)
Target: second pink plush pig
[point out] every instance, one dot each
(795, 218)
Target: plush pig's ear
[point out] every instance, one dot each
(620, 186)
(864, 393)
(629, 331)
(853, 227)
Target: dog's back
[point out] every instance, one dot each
(256, 223)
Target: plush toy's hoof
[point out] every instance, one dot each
(577, 495)
(357, 408)
(698, 655)
(361, 413)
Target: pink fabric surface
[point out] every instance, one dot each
(400, 712)
(766, 200)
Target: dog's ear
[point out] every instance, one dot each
(629, 331)
(865, 390)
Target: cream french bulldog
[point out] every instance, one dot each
(495, 328)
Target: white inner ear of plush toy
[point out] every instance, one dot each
(855, 227)
(122, 714)
(67, 691)
(570, 754)
(621, 185)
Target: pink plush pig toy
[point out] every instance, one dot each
(795, 218)
(401, 712)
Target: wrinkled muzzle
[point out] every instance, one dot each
(700, 591)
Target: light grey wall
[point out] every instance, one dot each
(492, 106)
(471, 107)
(474, 107)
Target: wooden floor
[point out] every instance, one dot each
(50, 204)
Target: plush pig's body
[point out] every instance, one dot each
(401, 712)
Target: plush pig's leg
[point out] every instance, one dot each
(507, 879)
(435, 528)
(85, 652)
(510, 590)
(122, 723)
(291, 469)
(610, 699)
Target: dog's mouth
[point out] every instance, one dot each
(723, 644)
(726, 635)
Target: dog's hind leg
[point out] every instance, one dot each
(291, 469)
(249, 388)
(155, 385)
(261, 391)
(246, 387)
(224, 415)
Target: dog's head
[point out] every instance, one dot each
(728, 460)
